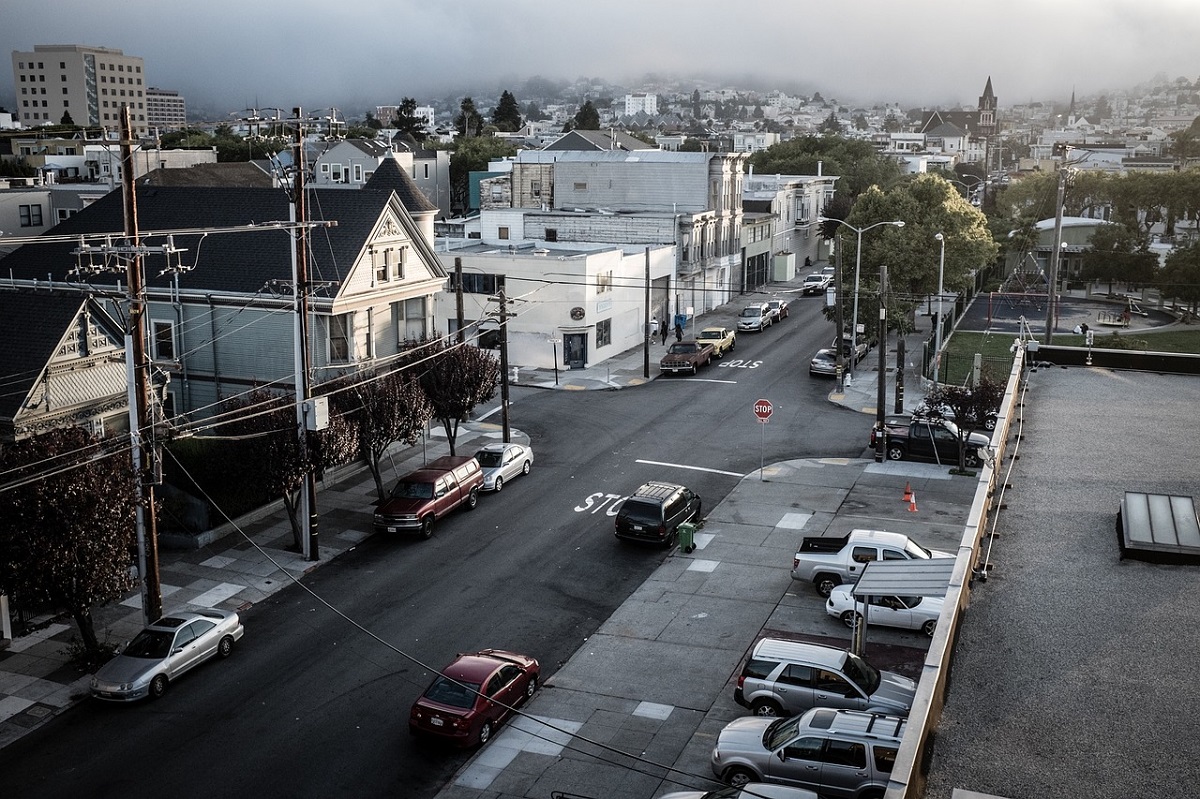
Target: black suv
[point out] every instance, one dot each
(655, 511)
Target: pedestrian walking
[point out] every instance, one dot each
(678, 332)
(663, 330)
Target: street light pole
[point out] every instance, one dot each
(937, 347)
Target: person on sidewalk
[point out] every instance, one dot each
(678, 332)
(663, 331)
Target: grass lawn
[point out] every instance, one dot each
(960, 350)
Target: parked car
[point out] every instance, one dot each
(779, 309)
(163, 651)
(686, 356)
(751, 790)
(906, 612)
(924, 411)
(473, 696)
(783, 678)
(815, 284)
(823, 363)
(722, 339)
(929, 439)
(828, 561)
(860, 346)
(829, 272)
(430, 493)
(502, 462)
(655, 511)
(841, 754)
(755, 317)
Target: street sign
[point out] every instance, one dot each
(762, 409)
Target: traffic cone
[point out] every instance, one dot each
(907, 493)
(912, 502)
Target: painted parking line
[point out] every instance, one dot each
(702, 380)
(691, 468)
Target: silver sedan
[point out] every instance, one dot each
(503, 462)
(163, 651)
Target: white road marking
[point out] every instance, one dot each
(489, 413)
(692, 468)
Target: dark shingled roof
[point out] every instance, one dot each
(241, 262)
(32, 325)
(388, 176)
(236, 173)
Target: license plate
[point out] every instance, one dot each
(436, 721)
(637, 528)
(391, 529)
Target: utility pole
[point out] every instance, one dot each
(458, 298)
(138, 362)
(881, 392)
(504, 366)
(308, 491)
(646, 324)
(839, 321)
(1052, 273)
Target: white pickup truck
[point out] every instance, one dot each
(829, 561)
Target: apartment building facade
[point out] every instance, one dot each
(89, 85)
(165, 109)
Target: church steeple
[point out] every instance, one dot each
(987, 111)
(1071, 110)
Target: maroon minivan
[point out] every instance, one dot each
(430, 493)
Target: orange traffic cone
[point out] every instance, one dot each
(912, 502)
(907, 493)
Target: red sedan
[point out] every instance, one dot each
(473, 696)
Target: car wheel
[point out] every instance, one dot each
(825, 583)
(850, 618)
(733, 345)
(158, 686)
(895, 452)
(473, 498)
(989, 423)
(525, 467)
(929, 627)
(427, 527)
(499, 484)
(225, 647)
(972, 459)
(531, 689)
(738, 777)
(485, 733)
(695, 369)
(766, 708)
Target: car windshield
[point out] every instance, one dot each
(640, 512)
(917, 552)
(407, 490)
(710, 334)
(488, 459)
(861, 673)
(152, 644)
(780, 732)
(752, 311)
(681, 349)
(448, 692)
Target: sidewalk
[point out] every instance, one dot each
(37, 681)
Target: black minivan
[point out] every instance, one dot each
(655, 511)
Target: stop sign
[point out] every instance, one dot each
(762, 409)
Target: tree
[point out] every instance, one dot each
(507, 114)
(586, 118)
(384, 407)
(1117, 253)
(857, 163)
(1181, 276)
(406, 120)
(459, 377)
(533, 113)
(267, 446)
(469, 122)
(66, 119)
(967, 407)
(66, 537)
(696, 110)
(472, 155)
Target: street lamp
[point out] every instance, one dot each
(937, 347)
(857, 269)
(554, 342)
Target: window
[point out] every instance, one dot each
(603, 282)
(551, 234)
(358, 173)
(502, 233)
(535, 188)
(604, 333)
(339, 338)
(414, 318)
(497, 192)
(846, 753)
(831, 682)
(580, 186)
(804, 749)
(474, 283)
(796, 675)
(885, 758)
(164, 340)
(31, 215)
(382, 265)
(400, 263)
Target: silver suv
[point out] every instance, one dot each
(784, 678)
(844, 754)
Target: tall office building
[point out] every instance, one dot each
(88, 84)
(165, 110)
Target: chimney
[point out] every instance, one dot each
(819, 165)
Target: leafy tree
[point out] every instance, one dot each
(1181, 276)
(1118, 253)
(534, 113)
(758, 111)
(696, 104)
(691, 145)
(66, 538)
(472, 155)
(469, 122)
(830, 124)
(860, 122)
(857, 163)
(967, 407)
(586, 118)
(407, 121)
(384, 407)
(1102, 110)
(507, 114)
(371, 122)
(362, 131)
(267, 444)
(459, 377)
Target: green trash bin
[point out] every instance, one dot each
(687, 537)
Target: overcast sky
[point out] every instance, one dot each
(360, 53)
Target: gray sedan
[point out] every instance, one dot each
(165, 650)
(503, 462)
